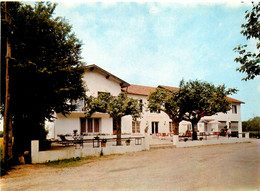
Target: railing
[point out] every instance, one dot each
(96, 141)
(205, 135)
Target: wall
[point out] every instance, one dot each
(222, 140)
(146, 119)
(96, 82)
(52, 155)
(164, 120)
(65, 125)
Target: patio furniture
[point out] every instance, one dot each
(64, 141)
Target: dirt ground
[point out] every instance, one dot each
(219, 167)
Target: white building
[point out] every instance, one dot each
(98, 81)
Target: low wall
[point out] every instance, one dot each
(177, 143)
(52, 155)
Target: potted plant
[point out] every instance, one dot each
(103, 142)
(127, 142)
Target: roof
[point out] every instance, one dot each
(234, 100)
(228, 98)
(146, 90)
(138, 89)
(108, 75)
(168, 87)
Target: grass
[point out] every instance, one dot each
(75, 162)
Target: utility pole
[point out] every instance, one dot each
(7, 138)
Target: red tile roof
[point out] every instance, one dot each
(146, 90)
(168, 87)
(234, 100)
(138, 90)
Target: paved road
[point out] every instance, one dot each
(220, 167)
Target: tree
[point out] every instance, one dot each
(169, 102)
(45, 69)
(203, 99)
(115, 106)
(251, 30)
(251, 124)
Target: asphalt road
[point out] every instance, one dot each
(219, 167)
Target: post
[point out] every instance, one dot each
(147, 141)
(8, 135)
(175, 139)
(35, 151)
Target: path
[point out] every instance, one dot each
(219, 167)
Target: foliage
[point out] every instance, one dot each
(251, 124)
(115, 106)
(45, 68)
(203, 99)
(169, 102)
(251, 30)
(254, 134)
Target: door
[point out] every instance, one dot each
(90, 129)
(82, 125)
(96, 125)
(155, 125)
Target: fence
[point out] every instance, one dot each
(90, 147)
(217, 140)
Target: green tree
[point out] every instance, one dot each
(251, 30)
(170, 102)
(115, 106)
(251, 124)
(45, 69)
(203, 99)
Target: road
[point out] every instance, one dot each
(218, 167)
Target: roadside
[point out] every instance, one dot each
(218, 167)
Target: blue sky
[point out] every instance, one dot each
(160, 43)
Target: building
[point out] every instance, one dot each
(97, 80)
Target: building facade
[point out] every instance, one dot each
(98, 81)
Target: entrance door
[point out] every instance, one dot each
(82, 125)
(155, 125)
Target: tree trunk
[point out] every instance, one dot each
(176, 128)
(118, 131)
(194, 131)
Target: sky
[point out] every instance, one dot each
(152, 43)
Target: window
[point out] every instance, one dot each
(234, 126)
(136, 126)
(234, 109)
(93, 125)
(171, 127)
(141, 102)
(221, 125)
(79, 104)
(189, 127)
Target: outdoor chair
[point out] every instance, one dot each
(64, 141)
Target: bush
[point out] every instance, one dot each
(254, 135)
